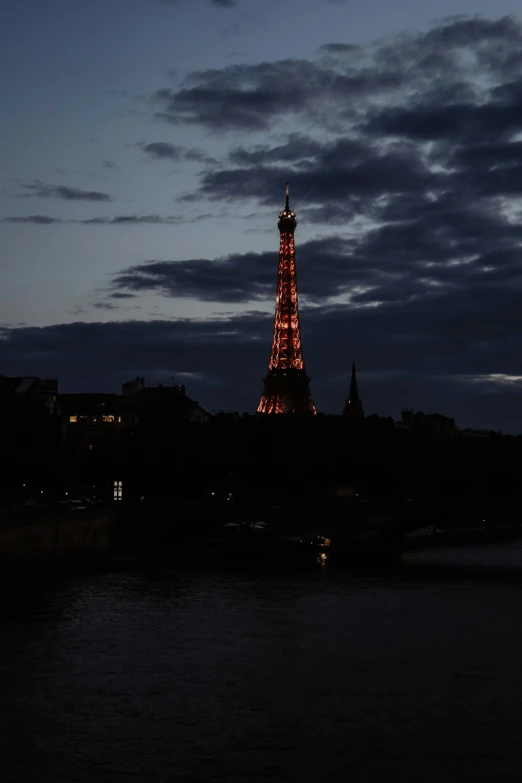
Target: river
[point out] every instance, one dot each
(304, 675)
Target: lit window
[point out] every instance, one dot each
(73, 419)
(119, 419)
(83, 418)
(94, 419)
(118, 490)
(90, 446)
(107, 419)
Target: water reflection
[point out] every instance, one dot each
(322, 559)
(300, 674)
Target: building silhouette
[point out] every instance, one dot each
(93, 421)
(286, 386)
(427, 423)
(32, 389)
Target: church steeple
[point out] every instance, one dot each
(353, 405)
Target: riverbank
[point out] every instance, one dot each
(154, 562)
(96, 541)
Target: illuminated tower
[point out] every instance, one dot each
(353, 405)
(286, 385)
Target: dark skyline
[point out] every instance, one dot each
(142, 180)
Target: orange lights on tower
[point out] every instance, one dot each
(286, 387)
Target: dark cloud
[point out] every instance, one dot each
(437, 112)
(163, 150)
(38, 220)
(131, 220)
(341, 48)
(118, 220)
(408, 355)
(484, 155)
(121, 295)
(296, 148)
(236, 278)
(435, 121)
(39, 189)
(208, 350)
(476, 32)
(332, 93)
(421, 169)
(333, 173)
(241, 96)
(422, 249)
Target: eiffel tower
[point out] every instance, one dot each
(286, 387)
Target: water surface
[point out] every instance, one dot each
(308, 676)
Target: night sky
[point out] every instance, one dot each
(145, 147)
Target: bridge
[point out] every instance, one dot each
(357, 529)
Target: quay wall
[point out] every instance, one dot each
(76, 533)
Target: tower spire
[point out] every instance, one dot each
(353, 405)
(286, 387)
(287, 202)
